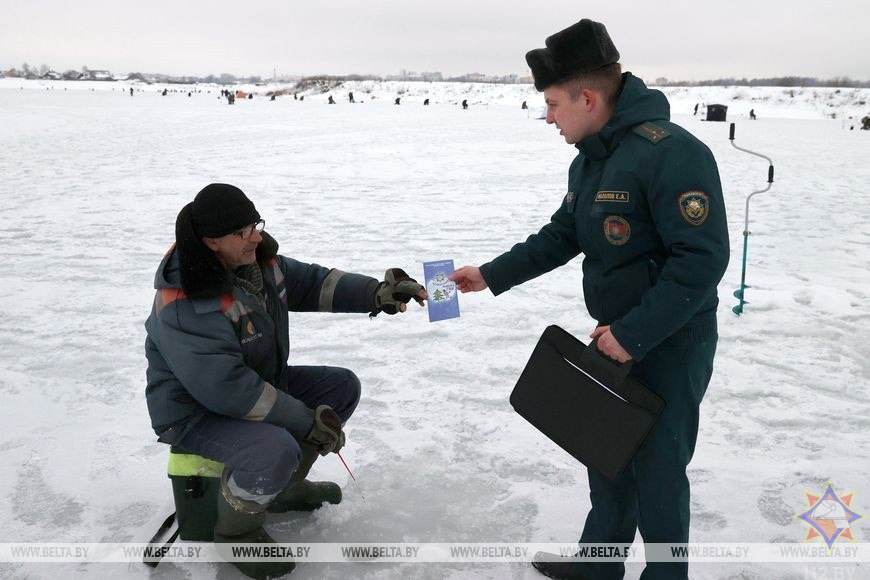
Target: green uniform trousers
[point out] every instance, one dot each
(652, 494)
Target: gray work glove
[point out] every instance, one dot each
(396, 291)
(326, 433)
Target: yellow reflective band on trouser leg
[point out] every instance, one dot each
(184, 464)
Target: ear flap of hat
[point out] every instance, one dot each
(543, 68)
(202, 274)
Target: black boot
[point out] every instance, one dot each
(550, 566)
(240, 521)
(303, 495)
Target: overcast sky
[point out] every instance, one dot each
(678, 39)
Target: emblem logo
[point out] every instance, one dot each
(617, 230)
(694, 206)
(829, 516)
(251, 333)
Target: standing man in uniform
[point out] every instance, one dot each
(644, 206)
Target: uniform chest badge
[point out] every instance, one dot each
(617, 230)
(694, 207)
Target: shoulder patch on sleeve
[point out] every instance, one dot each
(694, 207)
(651, 132)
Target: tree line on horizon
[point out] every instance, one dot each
(787, 81)
(45, 72)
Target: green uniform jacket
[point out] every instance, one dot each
(645, 207)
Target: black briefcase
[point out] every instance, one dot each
(585, 402)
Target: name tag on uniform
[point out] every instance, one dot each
(443, 300)
(622, 196)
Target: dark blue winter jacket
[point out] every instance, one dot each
(227, 355)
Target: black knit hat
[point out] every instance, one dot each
(581, 48)
(219, 209)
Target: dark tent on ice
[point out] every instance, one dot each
(716, 112)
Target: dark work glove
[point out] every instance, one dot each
(326, 433)
(396, 290)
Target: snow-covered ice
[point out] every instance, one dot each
(92, 182)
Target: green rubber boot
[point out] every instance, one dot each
(240, 521)
(303, 495)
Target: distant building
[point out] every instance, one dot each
(94, 75)
(100, 75)
(409, 75)
(52, 76)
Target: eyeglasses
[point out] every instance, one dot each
(248, 231)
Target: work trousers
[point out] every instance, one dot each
(259, 457)
(652, 494)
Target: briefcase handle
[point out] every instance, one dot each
(586, 356)
(619, 370)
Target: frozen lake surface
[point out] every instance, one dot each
(92, 182)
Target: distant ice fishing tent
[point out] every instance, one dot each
(717, 112)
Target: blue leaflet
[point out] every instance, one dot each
(443, 296)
